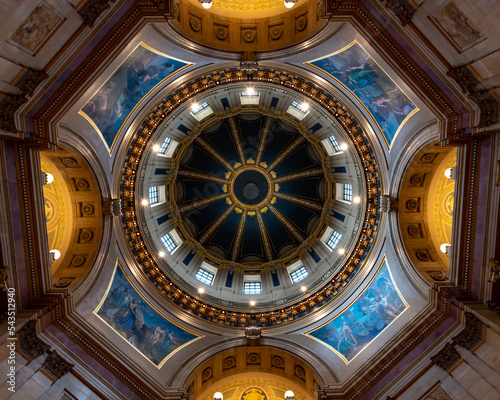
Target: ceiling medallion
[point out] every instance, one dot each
(211, 308)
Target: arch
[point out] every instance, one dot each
(418, 186)
(247, 365)
(73, 211)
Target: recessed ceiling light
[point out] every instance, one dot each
(144, 202)
(341, 251)
(156, 148)
(249, 92)
(252, 302)
(194, 107)
(161, 254)
(343, 147)
(304, 106)
(356, 199)
(303, 288)
(201, 290)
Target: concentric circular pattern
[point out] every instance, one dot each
(250, 189)
(217, 311)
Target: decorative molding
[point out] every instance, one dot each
(29, 342)
(9, 103)
(112, 208)
(388, 204)
(253, 336)
(92, 9)
(403, 9)
(487, 103)
(4, 278)
(447, 357)
(249, 62)
(494, 270)
(55, 365)
(472, 334)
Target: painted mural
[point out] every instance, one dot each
(354, 67)
(353, 329)
(150, 333)
(141, 71)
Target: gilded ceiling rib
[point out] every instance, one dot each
(305, 203)
(201, 203)
(287, 152)
(239, 235)
(263, 139)
(303, 174)
(265, 238)
(216, 224)
(237, 139)
(214, 153)
(287, 223)
(201, 176)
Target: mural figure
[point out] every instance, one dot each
(137, 322)
(361, 74)
(352, 330)
(135, 77)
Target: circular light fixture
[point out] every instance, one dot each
(249, 92)
(448, 173)
(144, 202)
(156, 148)
(356, 199)
(206, 4)
(445, 247)
(252, 302)
(195, 106)
(201, 290)
(289, 394)
(218, 396)
(304, 106)
(161, 254)
(303, 288)
(289, 4)
(343, 147)
(49, 178)
(341, 251)
(55, 254)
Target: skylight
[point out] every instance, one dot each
(205, 276)
(334, 240)
(252, 288)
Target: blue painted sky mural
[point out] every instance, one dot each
(150, 333)
(353, 329)
(354, 67)
(141, 71)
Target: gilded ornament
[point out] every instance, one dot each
(275, 32)
(221, 32)
(248, 35)
(428, 158)
(195, 23)
(69, 162)
(301, 23)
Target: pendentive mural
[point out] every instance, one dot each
(143, 327)
(357, 71)
(348, 333)
(141, 71)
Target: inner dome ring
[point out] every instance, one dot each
(238, 194)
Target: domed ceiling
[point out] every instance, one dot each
(246, 190)
(250, 188)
